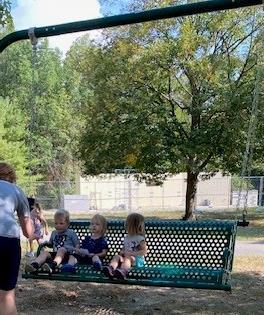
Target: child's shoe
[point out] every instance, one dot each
(33, 267)
(108, 271)
(30, 255)
(47, 268)
(97, 266)
(50, 268)
(68, 268)
(120, 273)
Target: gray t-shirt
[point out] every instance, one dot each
(67, 239)
(12, 201)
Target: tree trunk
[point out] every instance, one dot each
(192, 180)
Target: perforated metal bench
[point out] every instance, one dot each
(193, 254)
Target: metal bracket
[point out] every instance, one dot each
(32, 37)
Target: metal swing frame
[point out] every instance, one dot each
(126, 19)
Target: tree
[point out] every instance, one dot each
(170, 96)
(5, 16)
(12, 145)
(39, 92)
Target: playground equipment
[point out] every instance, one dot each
(193, 254)
(126, 19)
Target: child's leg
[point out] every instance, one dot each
(43, 256)
(127, 263)
(39, 261)
(114, 263)
(97, 262)
(72, 260)
(60, 255)
(96, 259)
(30, 240)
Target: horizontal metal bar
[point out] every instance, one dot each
(131, 18)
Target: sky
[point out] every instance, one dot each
(37, 13)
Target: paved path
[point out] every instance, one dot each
(249, 248)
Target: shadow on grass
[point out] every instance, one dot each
(46, 297)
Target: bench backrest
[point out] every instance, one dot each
(201, 244)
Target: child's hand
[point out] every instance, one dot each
(128, 254)
(83, 252)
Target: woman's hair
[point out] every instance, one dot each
(7, 172)
(102, 220)
(135, 224)
(63, 213)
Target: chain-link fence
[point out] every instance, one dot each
(119, 193)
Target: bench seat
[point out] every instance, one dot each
(193, 254)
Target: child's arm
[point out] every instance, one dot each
(45, 224)
(122, 251)
(143, 249)
(102, 254)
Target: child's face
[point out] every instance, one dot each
(96, 227)
(60, 223)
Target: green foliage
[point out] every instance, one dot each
(12, 131)
(47, 107)
(164, 97)
(5, 16)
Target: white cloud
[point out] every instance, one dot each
(37, 13)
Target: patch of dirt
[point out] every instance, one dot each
(57, 297)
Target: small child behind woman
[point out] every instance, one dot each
(134, 247)
(40, 226)
(94, 247)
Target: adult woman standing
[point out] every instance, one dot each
(12, 201)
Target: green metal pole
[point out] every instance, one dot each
(132, 18)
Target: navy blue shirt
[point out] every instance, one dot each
(94, 246)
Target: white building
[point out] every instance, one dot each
(119, 193)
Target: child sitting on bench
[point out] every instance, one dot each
(134, 248)
(94, 247)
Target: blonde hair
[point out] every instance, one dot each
(62, 213)
(135, 224)
(7, 172)
(102, 220)
(38, 206)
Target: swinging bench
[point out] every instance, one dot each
(195, 254)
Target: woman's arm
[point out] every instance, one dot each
(26, 226)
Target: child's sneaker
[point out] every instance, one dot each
(33, 267)
(120, 273)
(108, 271)
(49, 268)
(97, 266)
(30, 255)
(68, 268)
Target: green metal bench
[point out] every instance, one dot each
(191, 254)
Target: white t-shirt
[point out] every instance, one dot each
(132, 242)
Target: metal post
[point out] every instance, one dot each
(131, 18)
(260, 191)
